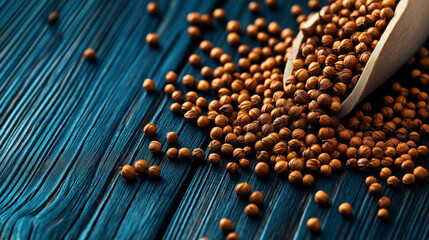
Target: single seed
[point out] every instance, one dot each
(232, 236)
(243, 189)
(140, 166)
(152, 39)
(172, 153)
(172, 137)
(89, 54)
(198, 154)
(155, 147)
(314, 225)
(375, 189)
(149, 85)
(184, 153)
(150, 129)
(251, 210)
(370, 180)
(152, 8)
(321, 197)
(345, 209)
(256, 197)
(53, 17)
(128, 172)
(154, 171)
(225, 225)
(384, 202)
(383, 214)
(262, 169)
(232, 167)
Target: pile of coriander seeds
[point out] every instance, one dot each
(294, 131)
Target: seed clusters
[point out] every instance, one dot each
(294, 131)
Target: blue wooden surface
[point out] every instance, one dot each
(67, 124)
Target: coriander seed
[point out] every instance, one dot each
(198, 154)
(393, 181)
(232, 236)
(184, 153)
(152, 39)
(307, 180)
(149, 85)
(262, 169)
(154, 171)
(384, 202)
(140, 166)
(256, 197)
(295, 177)
(232, 167)
(321, 197)
(150, 129)
(254, 7)
(152, 8)
(375, 189)
(383, 214)
(89, 54)
(155, 147)
(214, 158)
(251, 210)
(408, 179)
(345, 209)
(243, 189)
(128, 172)
(244, 163)
(172, 137)
(53, 17)
(420, 173)
(314, 225)
(172, 153)
(225, 225)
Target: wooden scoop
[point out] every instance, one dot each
(403, 36)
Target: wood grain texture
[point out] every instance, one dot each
(66, 125)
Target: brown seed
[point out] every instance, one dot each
(383, 214)
(154, 171)
(251, 210)
(198, 154)
(128, 172)
(420, 173)
(384, 202)
(254, 7)
(307, 180)
(194, 32)
(370, 180)
(375, 189)
(152, 8)
(155, 147)
(193, 18)
(152, 39)
(232, 167)
(172, 137)
(149, 85)
(194, 59)
(321, 197)
(393, 181)
(189, 81)
(385, 173)
(53, 17)
(233, 26)
(150, 129)
(262, 169)
(271, 3)
(281, 167)
(314, 225)
(140, 166)
(89, 54)
(345, 209)
(232, 236)
(172, 153)
(295, 177)
(243, 189)
(296, 10)
(219, 14)
(184, 153)
(244, 163)
(214, 158)
(256, 197)
(408, 178)
(225, 225)
(169, 89)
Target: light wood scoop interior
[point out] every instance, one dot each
(403, 36)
